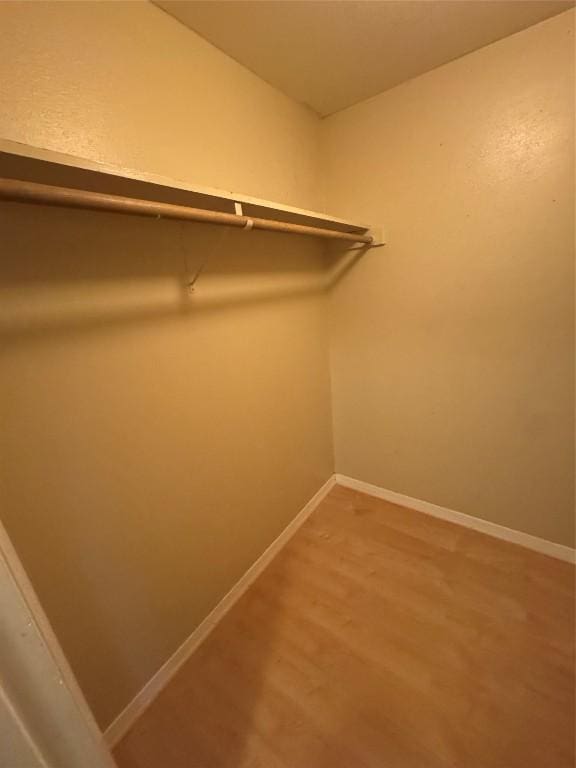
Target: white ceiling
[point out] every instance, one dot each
(331, 54)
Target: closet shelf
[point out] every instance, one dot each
(47, 194)
(37, 176)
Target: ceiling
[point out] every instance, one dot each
(330, 54)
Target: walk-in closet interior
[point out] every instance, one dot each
(287, 384)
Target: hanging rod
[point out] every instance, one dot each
(45, 194)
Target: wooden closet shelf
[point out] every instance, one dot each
(47, 194)
(37, 176)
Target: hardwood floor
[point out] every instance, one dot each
(378, 638)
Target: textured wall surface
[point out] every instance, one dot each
(453, 347)
(124, 83)
(153, 444)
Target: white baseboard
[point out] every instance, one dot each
(543, 546)
(145, 697)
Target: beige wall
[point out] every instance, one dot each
(453, 348)
(153, 444)
(124, 83)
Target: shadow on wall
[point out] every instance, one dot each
(154, 443)
(65, 271)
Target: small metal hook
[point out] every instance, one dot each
(191, 283)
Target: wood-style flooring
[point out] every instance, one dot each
(378, 638)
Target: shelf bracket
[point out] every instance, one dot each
(378, 241)
(191, 280)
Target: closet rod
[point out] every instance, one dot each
(44, 194)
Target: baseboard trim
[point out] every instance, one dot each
(126, 719)
(550, 548)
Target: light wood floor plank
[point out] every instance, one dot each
(378, 638)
